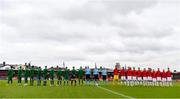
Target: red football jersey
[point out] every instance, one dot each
(139, 73)
(144, 73)
(148, 73)
(163, 74)
(129, 72)
(154, 74)
(134, 73)
(168, 73)
(122, 72)
(115, 71)
(158, 73)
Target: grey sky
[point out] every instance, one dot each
(81, 32)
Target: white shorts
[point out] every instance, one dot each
(139, 78)
(158, 78)
(163, 79)
(123, 77)
(144, 78)
(129, 77)
(149, 78)
(154, 79)
(134, 78)
(169, 79)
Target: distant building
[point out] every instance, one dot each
(1, 65)
(5, 66)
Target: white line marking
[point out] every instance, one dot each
(117, 93)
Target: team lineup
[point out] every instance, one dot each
(123, 76)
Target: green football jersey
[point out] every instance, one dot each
(66, 74)
(80, 72)
(59, 73)
(32, 72)
(10, 73)
(52, 72)
(19, 72)
(45, 71)
(26, 73)
(73, 71)
(39, 72)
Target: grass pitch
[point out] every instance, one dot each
(103, 91)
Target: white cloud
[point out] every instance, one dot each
(134, 32)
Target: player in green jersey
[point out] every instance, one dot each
(66, 76)
(45, 71)
(32, 76)
(59, 76)
(10, 75)
(80, 75)
(39, 76)
(26, 74)
(51, 76)
(73, 76)
(19, 75)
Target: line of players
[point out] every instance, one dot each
(150, 77)
(67, 75)
(62, 76)
(43, 75)
(129, 77)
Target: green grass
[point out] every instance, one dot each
(64, 91)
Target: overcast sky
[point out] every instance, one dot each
(142, 33)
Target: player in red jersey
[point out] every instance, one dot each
(123, 75)
(158, 74)
(169, 79)
(134, 78)
(164, 78)
(154, 77)
(144, 74)
(149, 78)
(129, 76)
(116, 75)
(139, 76)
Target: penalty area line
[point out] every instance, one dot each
(117, 93)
